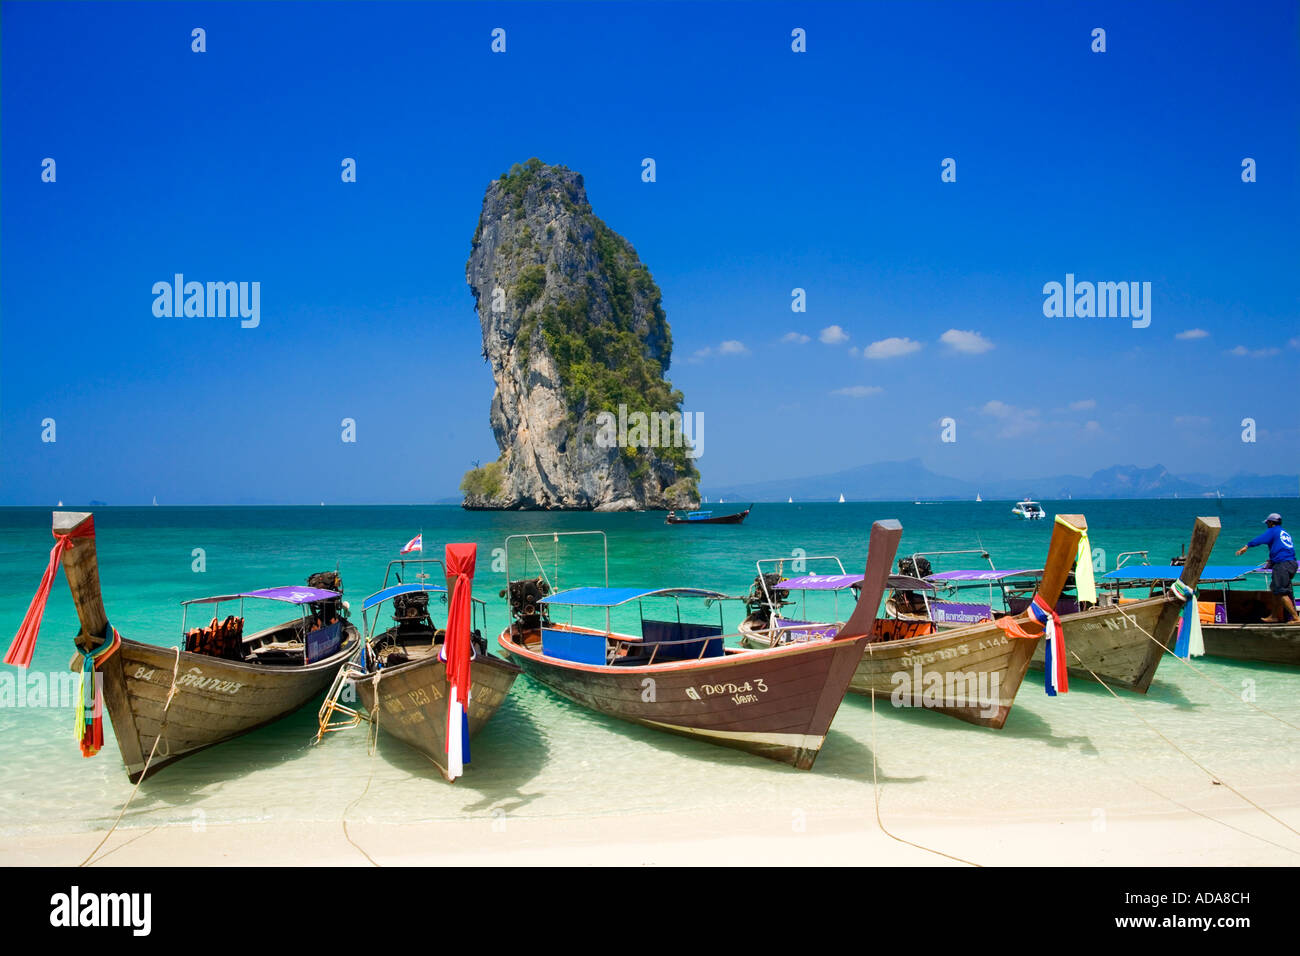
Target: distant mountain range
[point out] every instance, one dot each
(911, 480)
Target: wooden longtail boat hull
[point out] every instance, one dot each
(1260, 643)
(971, 673)
(974, 672)
(216, 700)
(776, 703)
(1123, 644)
(736, 518)
(412, 700)
(1116, 642)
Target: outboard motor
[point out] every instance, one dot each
(524, 597)
(325, 613)
(765, 599)
(910, 602)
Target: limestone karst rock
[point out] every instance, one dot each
(573, 327)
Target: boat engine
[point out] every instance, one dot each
(765, 599)
(910, 603)
(324, 613)
(524, 597)
(411, 611)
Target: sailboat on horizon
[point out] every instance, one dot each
(977, 497)
(841, 497)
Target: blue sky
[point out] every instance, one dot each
(776, 170)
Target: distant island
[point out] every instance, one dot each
(573, 327)
(910, 480)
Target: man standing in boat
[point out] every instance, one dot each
(1281, 559)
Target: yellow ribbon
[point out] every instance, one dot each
(1085, 583)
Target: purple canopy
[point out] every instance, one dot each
(292, 594)
(821, 582)
(984, 575)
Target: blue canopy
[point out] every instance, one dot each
(379, 597)
(1158, 572)
(613, 597)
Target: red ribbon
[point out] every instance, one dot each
(24, 643)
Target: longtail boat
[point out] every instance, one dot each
(971, 672)
(1230, 617)
(680, 676)
(1121, 643)
(707, 517)
(405, 676)
(167, 703)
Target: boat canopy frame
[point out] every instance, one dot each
(478, 607)
(301, 597)
(618, 597)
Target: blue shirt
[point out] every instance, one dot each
(1280, 545)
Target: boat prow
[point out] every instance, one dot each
(167, 703)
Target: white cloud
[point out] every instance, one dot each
(834, 335)
(795, 338)
(890, 348)
(968, 342)
(1015, 421)
(1295, 342)
(858, 391)
(1092, 427)
(1083, 404)
(1252, 353)
(1193, 334)
(855, 351)
(1196, 421)
(729, 347)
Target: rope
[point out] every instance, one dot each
(162, 729)
(1201, 674)
(372, 746)
(1209, 773)
(875, 783)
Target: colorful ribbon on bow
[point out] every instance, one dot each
(457, 652)
(24, 643)
(89, 732)
(1056, 676)
(1190, 642)
(1085, 582)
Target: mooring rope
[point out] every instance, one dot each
(372, 750)
(1186, 662)
(1217, 778)
(875, 783)
(162, 729)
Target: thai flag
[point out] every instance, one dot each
(415, 544)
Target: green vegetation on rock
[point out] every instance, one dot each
(484, 482)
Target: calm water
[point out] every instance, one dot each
(545, 757)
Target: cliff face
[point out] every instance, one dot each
(572, 327)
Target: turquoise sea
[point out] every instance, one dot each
(543, 756)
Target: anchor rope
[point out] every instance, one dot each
(875, 783)
(1201, 674)
(1218, 778)
(372, 747)
(162, 729)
